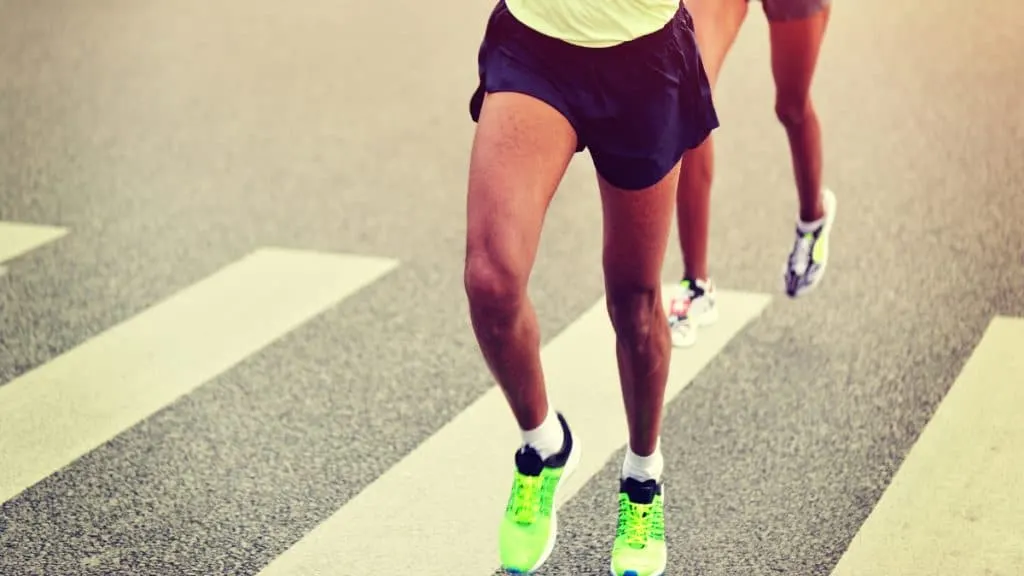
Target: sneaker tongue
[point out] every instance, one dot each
(639, 492)
(529, 462)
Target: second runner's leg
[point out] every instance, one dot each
(717, 23)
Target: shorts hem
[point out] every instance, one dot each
(477, 103)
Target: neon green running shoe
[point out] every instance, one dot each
(639, 548)
(528, 530)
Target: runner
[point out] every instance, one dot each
(625, 80)
(797, 28)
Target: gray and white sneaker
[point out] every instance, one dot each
(806, 264)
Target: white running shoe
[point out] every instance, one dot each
(692, 308)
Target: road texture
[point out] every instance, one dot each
(171, 139)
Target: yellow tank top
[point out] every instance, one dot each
(594, 23)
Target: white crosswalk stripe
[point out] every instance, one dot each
(72, 404)
(955, 506)
(17, 238)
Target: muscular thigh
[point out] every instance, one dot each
(786, 10)
(523, 144)
(636, 230)
(716, 23)
(521, 150)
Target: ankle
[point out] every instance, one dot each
(812, 213)
(547, 438)
(644, 468)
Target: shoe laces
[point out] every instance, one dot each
(800, 259)
(635, 523)
(526, 498)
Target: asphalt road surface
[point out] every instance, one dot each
(233, 336)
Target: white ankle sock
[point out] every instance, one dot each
(547, 438)
(807, 227)
(644, 468)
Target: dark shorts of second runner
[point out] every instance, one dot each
(638, 106)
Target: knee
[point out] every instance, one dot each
(793, 110)
(495, 292)
(636, 315)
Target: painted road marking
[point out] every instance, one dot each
(17, 238)
(56, 413)
(956, 505)
(394, 527)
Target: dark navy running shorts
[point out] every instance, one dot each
(636, 106)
